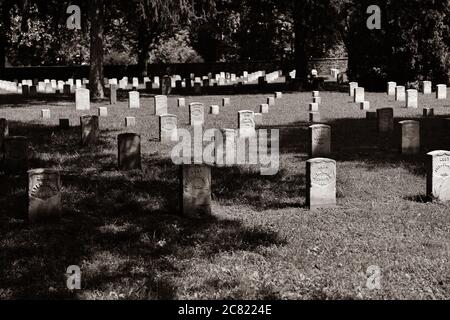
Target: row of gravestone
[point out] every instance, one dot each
(32, 87)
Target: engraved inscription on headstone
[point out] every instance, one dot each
(44, 194)
(438, 175)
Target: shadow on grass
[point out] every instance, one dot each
(122, 228)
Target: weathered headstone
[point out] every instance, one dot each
(278, 95)
(359, 95)
(44, 194)
(441, 92)
(89, 130)
(196, 186)
(315, 94)
(226, 102)
(246, 121)
(160, 103)
(400, 94)
(196, 114)
(352, 87)
(168, 128)
(258, 118)
(438, 175)
(321, 183)
(33, 90)
(365, 105)
(133, 100)
(102, 111)
(317, 100)
(25, 90)
(411, 99)
(264, 108)
(129, 151)
(385, 117)
(271, 101)
(181, 102)
(130, 122)
(82, 101)
(314, 116)
(214, 109)
(426, 87)
(319, 141)
(66, 89)
(314, 106)
(410, 140)
(391, 88)
(45, 114)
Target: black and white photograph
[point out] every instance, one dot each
(225, 150)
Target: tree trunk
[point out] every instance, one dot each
(2, 50)
(301, 58)
(96, 10)
(143, 48)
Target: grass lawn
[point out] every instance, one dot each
(124, 231)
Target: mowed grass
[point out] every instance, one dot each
(125, 232)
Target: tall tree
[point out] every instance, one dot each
(96, 14)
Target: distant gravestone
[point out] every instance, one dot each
(44, 194)
(438, 175)
(278, 95)
(426, 87)
(352, 87)
(264, 108)
(82, 101)
(365, 105)
(130, 122)
(66, 89)
(113, 94)
(359, 95)
(45, 114)
(441, 92)
(385, 119)
(258, 118)
(226, 102)
(64, 124)
(135, 82)
(246, 123)
(181, 102)
(314, 107)
(428, 112)
(196, 186)
(317, 100)
(25, 90)
(133, 100)
(196, 114)
(391, 88)
(315, 94)
(314, 117)
(411, 99)
(168, 128)
(321, 183)
(102, 111)
(319, 141)
(410, 141)
(129, 151)
(400, 94)
(33, 90)
(214, 109)
(160, 103)
(166, 86)
(271, 101)
(15, 154)
(89, 130)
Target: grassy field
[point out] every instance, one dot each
(124, 231)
